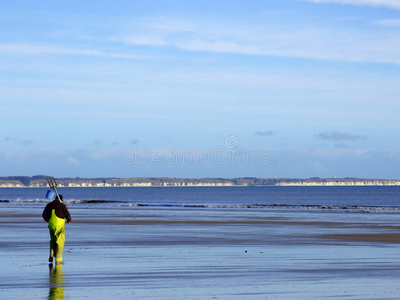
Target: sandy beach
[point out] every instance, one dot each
(170, 253)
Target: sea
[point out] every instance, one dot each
(355, 199)
(254, 242)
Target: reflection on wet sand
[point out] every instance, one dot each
(173, 253)
(56, 282)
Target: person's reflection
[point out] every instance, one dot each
(56, 282)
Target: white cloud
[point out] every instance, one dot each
(144, 40)
(289, 38)
(219, 47)
(388, 23)
(386, 3)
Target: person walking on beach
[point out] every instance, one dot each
(55, 214)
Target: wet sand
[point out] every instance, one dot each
(141, 253)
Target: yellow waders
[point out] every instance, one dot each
(57, 236)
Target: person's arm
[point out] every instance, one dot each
(45, 214)
(67, 215)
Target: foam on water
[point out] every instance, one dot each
(276, 206)
(320, 199)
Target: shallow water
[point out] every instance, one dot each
(178, 253)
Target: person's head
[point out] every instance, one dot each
(60, 197)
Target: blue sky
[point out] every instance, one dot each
(288, 88)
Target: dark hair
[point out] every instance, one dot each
(60, 197)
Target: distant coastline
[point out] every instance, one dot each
(40, 181)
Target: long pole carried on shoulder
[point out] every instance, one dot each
(53, 184)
